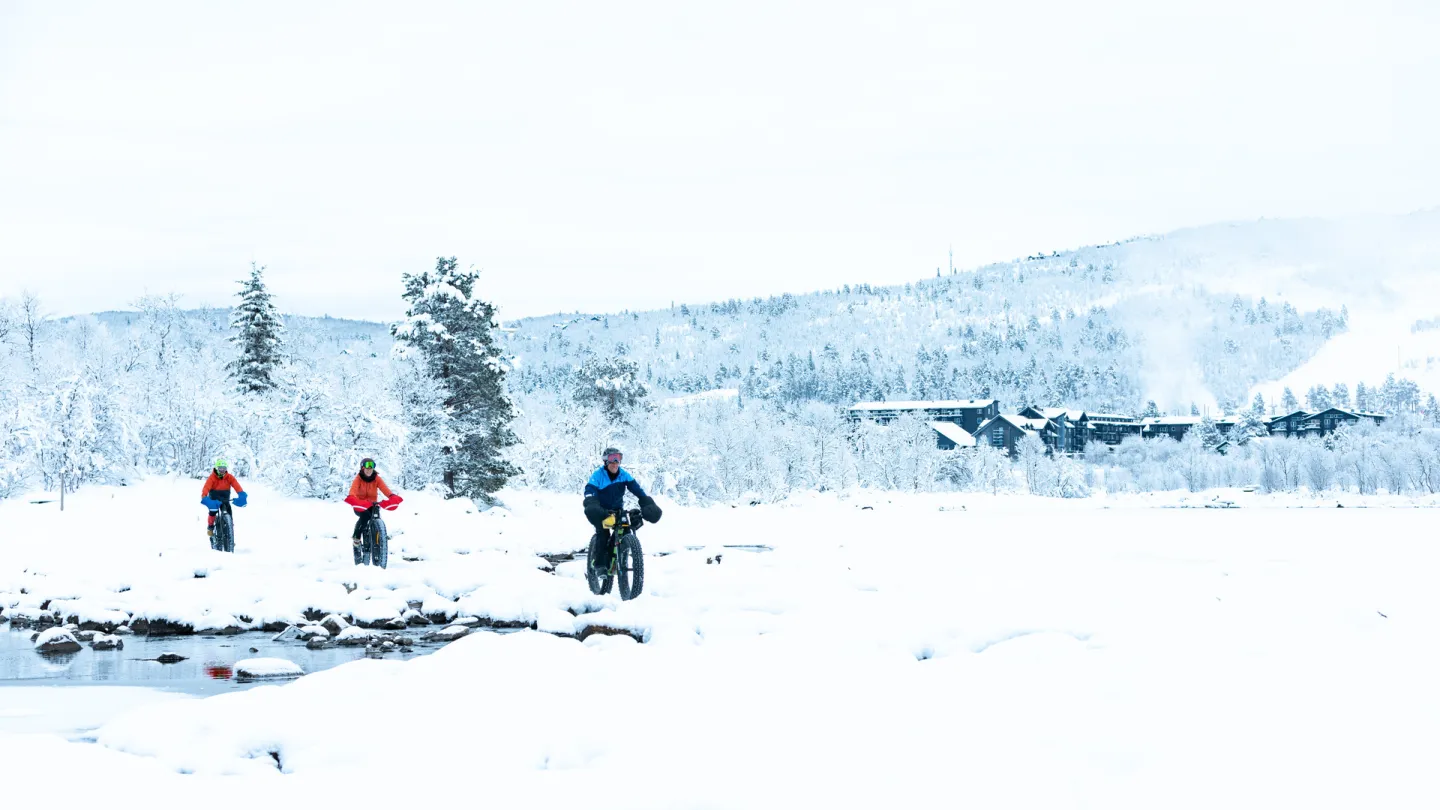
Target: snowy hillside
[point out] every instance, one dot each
(1207, 316)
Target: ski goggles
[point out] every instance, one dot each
(615, 457)
(222, 470)
(368, 465)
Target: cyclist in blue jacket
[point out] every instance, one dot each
(605, 493)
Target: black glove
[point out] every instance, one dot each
(650, 510)
(593, 512)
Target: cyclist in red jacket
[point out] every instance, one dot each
(365, 496)
(215, 493)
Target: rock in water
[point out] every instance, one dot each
(353, 637)
(169, 658)
(104, 642)
(258, 668)
(450, 633)
(335, 624)
(318, 642)
(310, 631)
(56, 640)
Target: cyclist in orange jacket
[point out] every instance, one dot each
(365, 497)
(215, 493)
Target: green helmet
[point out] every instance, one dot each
(220, 464)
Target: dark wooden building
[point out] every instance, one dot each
(1069, 427)
(969, 414)
(1111, 428)
(1287, 425)
(1325, 422)
(1006, 430)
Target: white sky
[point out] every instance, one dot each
(600, 156)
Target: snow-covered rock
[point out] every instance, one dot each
(107, 642)
(450, 633)
(310, 631)
(56, 640)
(334, 623)
(257, 668)
(353, 637)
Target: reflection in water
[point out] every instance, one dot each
(219, 671)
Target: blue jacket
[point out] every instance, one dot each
(611, 494)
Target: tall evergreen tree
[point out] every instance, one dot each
(451, 329)
(259, 337)
(1209, 432)
(1288, 402)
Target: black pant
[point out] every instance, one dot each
(604, 545)
(362, 521)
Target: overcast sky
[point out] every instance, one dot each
(601, 156)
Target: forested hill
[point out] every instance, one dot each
(1200, 316)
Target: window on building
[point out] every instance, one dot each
(997, 437)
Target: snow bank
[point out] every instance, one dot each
(889, 650)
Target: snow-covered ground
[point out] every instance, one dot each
(886, 650)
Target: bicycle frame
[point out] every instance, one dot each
(618, 522)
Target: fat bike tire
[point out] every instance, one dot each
(599, 581)
(224, 534)
(380, 548)
(630, 567)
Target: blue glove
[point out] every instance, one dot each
(241, 498)
(209, 504)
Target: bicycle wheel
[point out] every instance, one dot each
(599, 580)
(630, 568)
(224, 533)
(380, 543)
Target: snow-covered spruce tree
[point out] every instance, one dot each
(613, 385)
(259, 337)
(1288, 402)
(450, 328)
(1209, 433)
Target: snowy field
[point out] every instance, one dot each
(882, 650)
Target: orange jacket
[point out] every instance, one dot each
(362, 490)
(216, 482)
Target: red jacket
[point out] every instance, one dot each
(363, 493)
(224, 484)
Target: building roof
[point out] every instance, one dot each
(1347, 412)
(1272, 420)
(917, 405)
(1052, 413)
(1113, 417)
(953, 432)
(1020, 422)
(1167, 421)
